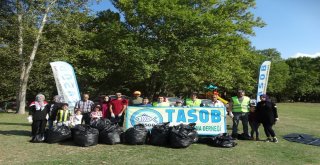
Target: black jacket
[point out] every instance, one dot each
(266, 112)
(53, 108)
(38, 114)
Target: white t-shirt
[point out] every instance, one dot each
(76, 119)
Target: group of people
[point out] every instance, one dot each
(264, 112)
(86, 111)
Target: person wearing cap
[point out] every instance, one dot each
(267, 115)
(63, 115)
(239, 110)
(193, 101)
(136, 100)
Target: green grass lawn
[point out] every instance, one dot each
(15, 147)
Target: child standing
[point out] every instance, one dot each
(63, 115)
(77, 118)
(96, 114)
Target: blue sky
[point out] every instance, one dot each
(293, 26)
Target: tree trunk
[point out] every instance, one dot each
(26, 73)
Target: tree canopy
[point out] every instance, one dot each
(160, 47)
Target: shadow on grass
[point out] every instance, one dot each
(15, 132)
(68, 142)
(21, 124)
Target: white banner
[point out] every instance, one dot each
(209, 120)
(263, 79)
(66, 82)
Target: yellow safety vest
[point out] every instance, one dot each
(63, 115)
(240, 107)
(191, 103)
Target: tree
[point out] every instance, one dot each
(30, 18)
(279, 73)
(185, 44)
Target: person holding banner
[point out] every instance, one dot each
(239, 110)
(85, 105)
(267, 115)
(117, 109)
(162, 102)
(145, 103)
(216, 102)
(193, 101)
(137, 100)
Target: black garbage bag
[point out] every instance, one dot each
(111, 134)
(160, 134)
(136, 135)
(84, 135)
(182, 136)
(100, 124)
(302, 138)
(58, 134)
(223, 140)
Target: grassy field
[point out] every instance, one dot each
(294, 118)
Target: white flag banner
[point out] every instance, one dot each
(66, 82)
(263, 79)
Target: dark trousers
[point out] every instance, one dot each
(38, 127)
(254, 128)
(118, 120)
(243, 116)
(268, 129)
(86, 118)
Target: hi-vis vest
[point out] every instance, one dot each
(62, 115)
(191, 103)
(240, 107)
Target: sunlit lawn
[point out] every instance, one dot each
(294, 118)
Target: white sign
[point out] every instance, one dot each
(209, 120)
(66, 82)
(263, 79)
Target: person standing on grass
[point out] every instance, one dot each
(105, 103)
(193, 101)
(38, 115)
(267, 114)
(85, 105)
(53, 107)
(117, 109)
(239, 110)
(253, 121)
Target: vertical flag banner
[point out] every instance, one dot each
(66, 82)
(263, 79)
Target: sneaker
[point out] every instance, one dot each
(275, 140)
(268, 140)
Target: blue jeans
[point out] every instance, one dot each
(243, 116)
